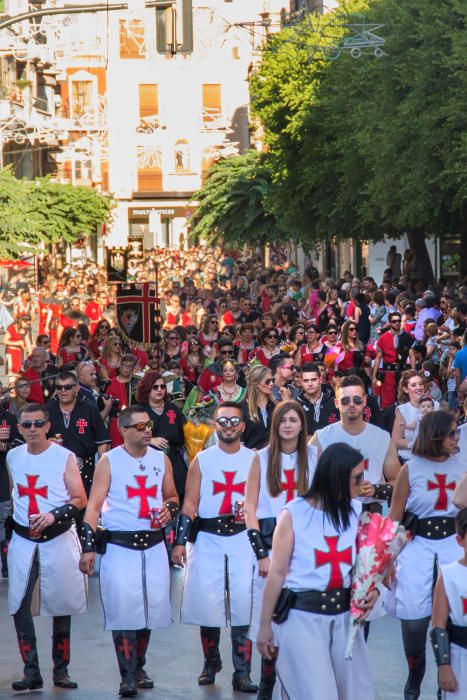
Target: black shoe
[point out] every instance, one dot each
(244, 684)
(143, 680)
(65, 682)
(208, 674)
(28, 684)
(128, 689)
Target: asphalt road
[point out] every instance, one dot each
(174, 659)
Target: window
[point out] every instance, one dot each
(211, 103)
(182, 156)
(132, 39)
(148, 108)
(81, 99)
(149, 161)
(82, 172)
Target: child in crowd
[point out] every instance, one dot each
(427, 405)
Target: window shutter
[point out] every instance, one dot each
(148, 101)
(132, 39)
(212, 108)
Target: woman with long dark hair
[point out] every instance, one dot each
(424, 492)
(279, 472)
(306, 600)
(167, 429)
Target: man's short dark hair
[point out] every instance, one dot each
(351, 380)
(278, 362)
(310, 367)
(125, 417)
(34, 408)
(67, 375)
(229, 404)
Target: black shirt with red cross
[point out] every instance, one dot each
(86, 430)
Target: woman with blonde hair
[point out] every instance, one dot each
(352, 347)
(279, 472)
(411, 390)
(258, 407)
(111, 356)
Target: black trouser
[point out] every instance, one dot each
(131, 647)
(26, 632)
(414, 635)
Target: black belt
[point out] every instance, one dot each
(223, 525)
(390, 367)
(134, 539)
(436, 528)
(266, 528)
(334, 602)
(457, 634)
(47, 534)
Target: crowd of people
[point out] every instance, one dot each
(321, 399)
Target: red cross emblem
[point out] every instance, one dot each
(171, 415)
(366, 464)
(442, 486)
(229, 487)
(81, 424)
(207, 645)
(23, 648)
(64, 647)
(289, 485)
(126, 647)
(32, 492)
(464, 605)
(143, 493)
(335, 558)
(246, 650)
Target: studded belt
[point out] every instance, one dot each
(47, 534)
(436, 528)
(334, 602)
(136, 539)
(223, 525)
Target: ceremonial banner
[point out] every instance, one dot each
(117, 265)
(138, 313)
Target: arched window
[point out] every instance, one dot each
(182, 156)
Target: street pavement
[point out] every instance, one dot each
(174, 658)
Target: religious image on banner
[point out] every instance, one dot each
(138, 314)
(117, 264)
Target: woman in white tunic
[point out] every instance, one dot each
(424, 491)
(279, 472)
(306, 600)
(449, 620)
(408, 414)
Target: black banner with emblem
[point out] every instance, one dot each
(138, 313)
(117, 265)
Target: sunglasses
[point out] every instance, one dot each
(226, 352)
(153, 357)
(45, 342)
(64, 387)
(118, 345)
(332, 332)
(347, 400)
(172, 337)
(234, 421)
(352, 328)
(142, 426)
(269, 381)
(395, 320)
(158, 387)
(311, 330)
(273, 336)
(36, 423)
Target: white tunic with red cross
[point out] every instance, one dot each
(135, 585)
(270, 507)
(455, 585)
(218, 584)
(372, 442)
(310, 663)
(432, 486)
(38, 487)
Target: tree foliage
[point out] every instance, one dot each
(371, 147)
(43, 211)
(233, 202)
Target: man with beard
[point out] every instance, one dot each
(221, 562)
(379, 452)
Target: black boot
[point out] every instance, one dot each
(268, 679)
(416, 663)
(61, 652)
(241, 657)
(125, 648)
(142, 641)
(210, 637)
(32, 679)
(3, 553)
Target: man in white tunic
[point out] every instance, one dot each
(47, 494)
(381, 462)
(221, 564)
(133, 487)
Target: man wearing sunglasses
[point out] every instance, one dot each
(382, 464)
(392, 351)
(217, 590)
(134, 490)
(77, 424)
(47, 495)
(283, 370)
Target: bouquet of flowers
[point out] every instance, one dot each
(379, 542)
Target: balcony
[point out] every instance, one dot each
(213, 120)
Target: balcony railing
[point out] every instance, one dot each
(150, 182)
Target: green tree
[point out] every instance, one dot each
(380, 146)
(233, 202)
(43, 211)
